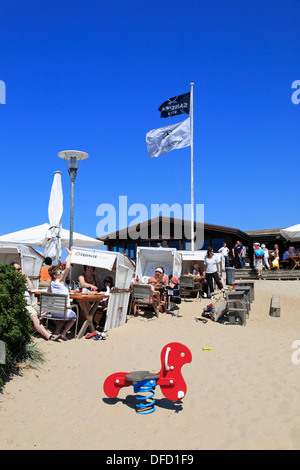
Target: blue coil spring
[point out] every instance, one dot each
(144, 406)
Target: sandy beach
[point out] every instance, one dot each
(244, 393)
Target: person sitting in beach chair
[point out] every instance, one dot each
(32, 307)
(100, 315)
(172, 296)
(45, 278)
(89, 280)
(199, 279)
(160, 276)
(57, 286)
(196, 270)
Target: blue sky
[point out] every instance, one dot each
(90, 75)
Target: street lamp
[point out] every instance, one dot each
(72, 159)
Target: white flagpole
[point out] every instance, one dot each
(192, 169)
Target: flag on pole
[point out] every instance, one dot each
(177, 105)
(165, 139)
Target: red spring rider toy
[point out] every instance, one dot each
(169, 378)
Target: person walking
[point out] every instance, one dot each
(212, 271)
(266, 256)
(258, 258)
(275, 254)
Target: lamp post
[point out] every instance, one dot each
(72, 159)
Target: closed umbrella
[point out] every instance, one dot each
(55, 210)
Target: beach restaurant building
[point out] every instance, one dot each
(175, 233)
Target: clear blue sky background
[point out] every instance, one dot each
(90, 75)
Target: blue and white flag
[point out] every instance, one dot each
(165, 139)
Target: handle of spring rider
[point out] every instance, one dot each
(166, 358)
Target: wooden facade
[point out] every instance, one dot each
(270, 237)
(174, 233)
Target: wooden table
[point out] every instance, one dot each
(199, 279)
(160, 288)
(296, 260)
(82, 298)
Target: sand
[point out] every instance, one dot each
(244, 393)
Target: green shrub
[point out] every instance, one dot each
(15, 323)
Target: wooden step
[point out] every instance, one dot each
(282, 274)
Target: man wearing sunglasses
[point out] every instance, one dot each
(32, 308)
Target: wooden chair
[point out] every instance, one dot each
(55, 306)
(142, 295)
(187, 286)
(284, 264)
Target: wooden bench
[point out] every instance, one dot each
(247, 292)
(250, 284)
(237, 307)
(220, 310)
(232, 311)
(275, 306)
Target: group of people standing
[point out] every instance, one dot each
(238, 253)
(265, 258)
(270, 259)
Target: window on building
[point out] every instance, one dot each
(202, 244)
(130, 250)
(186, 245)
(118, 248)
(217, 243)
(173, 244)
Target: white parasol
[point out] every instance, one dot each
(291, 233)
(38, 236)
(55, 210)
